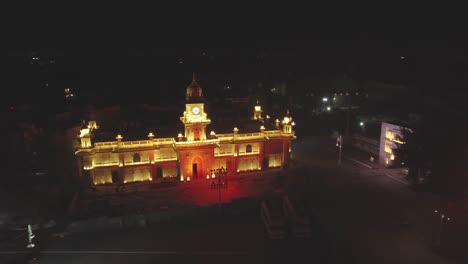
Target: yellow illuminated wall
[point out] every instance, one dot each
(224, 149)
(274, 161)
(137, 175)
(169, 171)
(248, 164)
(129, 157)
(102, 176)
(243, 148)
(87, 162)
(165, 154)
(105, 159)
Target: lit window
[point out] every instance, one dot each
(390, 135)
(388, 149)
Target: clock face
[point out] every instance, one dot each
(195, 110)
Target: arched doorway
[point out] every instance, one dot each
(159, 172)
(197, 168)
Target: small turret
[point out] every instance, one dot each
(287, 123)
(85, 137)
(257, 112)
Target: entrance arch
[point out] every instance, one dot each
(159, 172)
(197, 168)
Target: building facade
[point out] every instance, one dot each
(190, 156)
(390, 138)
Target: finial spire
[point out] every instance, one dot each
(193, 76)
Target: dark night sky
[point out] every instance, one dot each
(153, 72)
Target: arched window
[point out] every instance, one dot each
(248, 148)
(136, 157)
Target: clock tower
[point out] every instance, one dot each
(195, 119)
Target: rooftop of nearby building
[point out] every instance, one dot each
(400, 123)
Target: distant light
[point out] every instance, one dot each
(293, 123)
(328, 108)
(361, 123)
(402, 58)
(435, 211)
(325, 99)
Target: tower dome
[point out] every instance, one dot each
(194, 92)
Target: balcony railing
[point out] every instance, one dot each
(105, 164)
(253, 152)
(133, 144)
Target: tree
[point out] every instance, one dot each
(435, 151)
(415, 152)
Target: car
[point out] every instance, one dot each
(273, 218)
(298, 219)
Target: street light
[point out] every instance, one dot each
(339, 143)
(436, 236)
(220, 184)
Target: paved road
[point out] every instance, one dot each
(368, 217)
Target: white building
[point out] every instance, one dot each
(390, 138)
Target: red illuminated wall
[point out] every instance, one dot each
(204, 158)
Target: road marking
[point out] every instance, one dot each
(218, 253)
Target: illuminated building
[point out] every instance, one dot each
(390, 138)
(189, 156)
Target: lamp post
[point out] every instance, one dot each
(443, 218)
(339, 143)
(220, 183)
